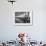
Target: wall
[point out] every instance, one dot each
(9, 31)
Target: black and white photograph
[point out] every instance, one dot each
(23, 18)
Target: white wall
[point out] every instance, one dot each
(9, 31)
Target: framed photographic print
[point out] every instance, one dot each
(23, 18)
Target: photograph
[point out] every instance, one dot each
(23, 18)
